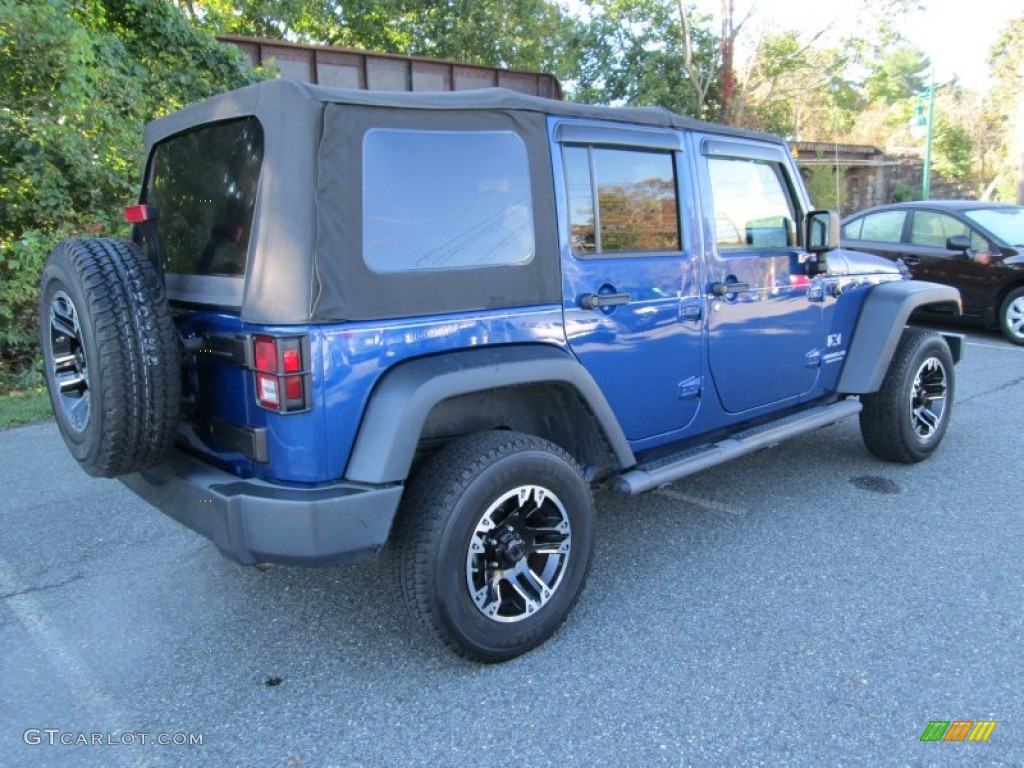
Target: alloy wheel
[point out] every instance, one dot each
(928, 398)
(67, 363)
(518, 553)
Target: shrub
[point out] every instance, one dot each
(78, 81)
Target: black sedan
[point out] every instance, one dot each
(974, 246)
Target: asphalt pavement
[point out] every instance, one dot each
(804, 606)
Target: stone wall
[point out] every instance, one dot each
(872, 177)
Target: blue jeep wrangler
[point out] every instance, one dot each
(436, 321)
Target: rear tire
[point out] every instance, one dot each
(1011, 316)
(111, 359)
(494, 542)
(907, 418)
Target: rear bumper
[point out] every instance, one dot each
(252, 521)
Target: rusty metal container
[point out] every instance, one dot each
(365, 70)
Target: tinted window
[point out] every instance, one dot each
(752, 207)
(637, 210)
(204, 185)
(851, 231)
(883, 227)
(580, 188)
(445, 200)
(1005, 223)
(931, 228)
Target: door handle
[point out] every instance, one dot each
(724, 289)
(599, 300)
(911, 261)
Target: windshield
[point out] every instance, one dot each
(1005, 223)
(204, 183)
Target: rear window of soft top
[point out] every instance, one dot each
(203, 184)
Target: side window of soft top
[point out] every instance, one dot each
(441, 200)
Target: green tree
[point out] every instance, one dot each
(794, 88)
(958, 135)
(952, 150)
(820, 180)
(642, 52)
(899, 73)
(1005, 111)
(78, 80)
(517, 34)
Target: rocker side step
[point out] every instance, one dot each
(645, 477)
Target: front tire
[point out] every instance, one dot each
(1011, 316)
(907, 418)
(494, 542)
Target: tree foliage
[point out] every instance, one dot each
(533, 35)
(794, 88)
(957, 134)
(1006, 111)
(78, 81)
(820, 180)
(79, 78)
(643, 52)
(899, 73)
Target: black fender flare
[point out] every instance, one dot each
(882, 319)
(401, 401)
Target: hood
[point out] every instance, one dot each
(845, 262)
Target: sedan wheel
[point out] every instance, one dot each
(1011, 316)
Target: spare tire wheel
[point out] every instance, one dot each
(111, 355)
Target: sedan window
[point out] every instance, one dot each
(881, 227)
(1005, 223)
(933, 229)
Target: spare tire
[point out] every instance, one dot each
(111, 356)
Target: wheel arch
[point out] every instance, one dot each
(880, 325)
(535, 389)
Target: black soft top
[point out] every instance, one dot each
(293, 94)
(305, 248)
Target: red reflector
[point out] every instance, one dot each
(293, 388)
(265, 353)
(138, 214)
(292, 360)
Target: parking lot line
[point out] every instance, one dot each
(69, 667)
(994, 346)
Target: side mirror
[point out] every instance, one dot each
(960, 243)
(821, 232)
(821, 235)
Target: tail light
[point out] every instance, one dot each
(281, 368)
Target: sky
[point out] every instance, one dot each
(956, 34)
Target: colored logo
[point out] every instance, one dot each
(958, 730)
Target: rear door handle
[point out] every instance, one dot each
(598, 300)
